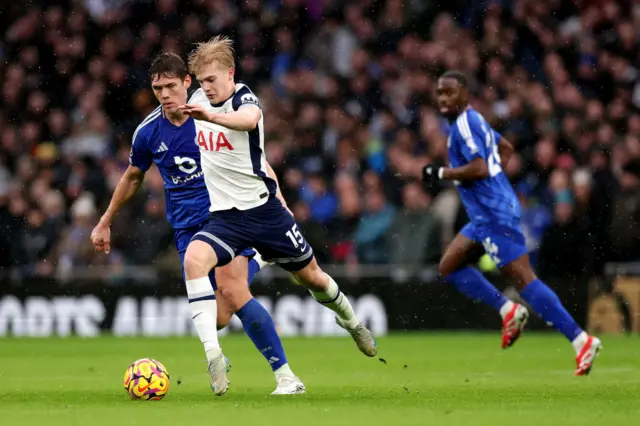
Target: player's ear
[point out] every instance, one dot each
(187, 81)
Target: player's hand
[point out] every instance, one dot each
(431, 173)
(101, 238)
(198, 112)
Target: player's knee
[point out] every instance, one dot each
(523, 278)
(198, 260)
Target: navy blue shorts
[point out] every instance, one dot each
(269, 228)
(502, 243)
(183, 237)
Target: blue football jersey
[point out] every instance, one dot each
(175, 153)
(488, 200)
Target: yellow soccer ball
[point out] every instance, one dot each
(146, 379)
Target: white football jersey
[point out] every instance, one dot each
(233, 162)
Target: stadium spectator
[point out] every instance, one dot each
(370, 239)
(349, 92)
(414, 236)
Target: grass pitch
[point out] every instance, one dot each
(435, 379)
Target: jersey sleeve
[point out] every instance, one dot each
(245, 97)
(140, 155)
(471, 138)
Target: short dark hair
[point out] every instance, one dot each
(458, 76)
(169, 65)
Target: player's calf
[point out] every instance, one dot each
(325, 290)
(225, 313)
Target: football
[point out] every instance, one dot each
(146, 379)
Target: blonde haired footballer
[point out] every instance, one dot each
(245, 209)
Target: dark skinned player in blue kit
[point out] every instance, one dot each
(476, 155)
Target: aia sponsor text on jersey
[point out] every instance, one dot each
(213, 141)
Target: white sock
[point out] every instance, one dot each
(204, 313)
(284, 371)
(579, 341)
(335, 300)
(506, 308)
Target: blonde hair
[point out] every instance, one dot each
(219, 48)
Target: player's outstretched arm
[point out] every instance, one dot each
(474, 170)
(244, 120)
(127, 186)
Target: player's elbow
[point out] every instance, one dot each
(480, 169)
(505, 150)
(505, 146)
(133, 175)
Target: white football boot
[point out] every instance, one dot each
(289, 386)
(218, 369)
(363, 338)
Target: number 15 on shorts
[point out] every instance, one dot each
(296, 238)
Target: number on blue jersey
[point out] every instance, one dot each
(491, 199)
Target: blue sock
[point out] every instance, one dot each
(474, 285)
(254, 268)
(546, 303)
(259, 327)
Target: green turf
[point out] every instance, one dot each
(435, 379)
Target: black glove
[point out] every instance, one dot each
(431, 173)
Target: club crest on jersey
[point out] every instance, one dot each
(249, 98)
(209, 143)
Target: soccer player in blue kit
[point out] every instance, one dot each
(476, 154)
(167, 138)
(245, 211)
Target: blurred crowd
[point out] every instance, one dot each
(347, 90)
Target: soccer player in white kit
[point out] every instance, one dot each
(245, 211)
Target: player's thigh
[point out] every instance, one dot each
(463, 250)
(225, 235)
(233, 284)
(280, 241)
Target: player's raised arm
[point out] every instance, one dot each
(245, 119)
(471, 148)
